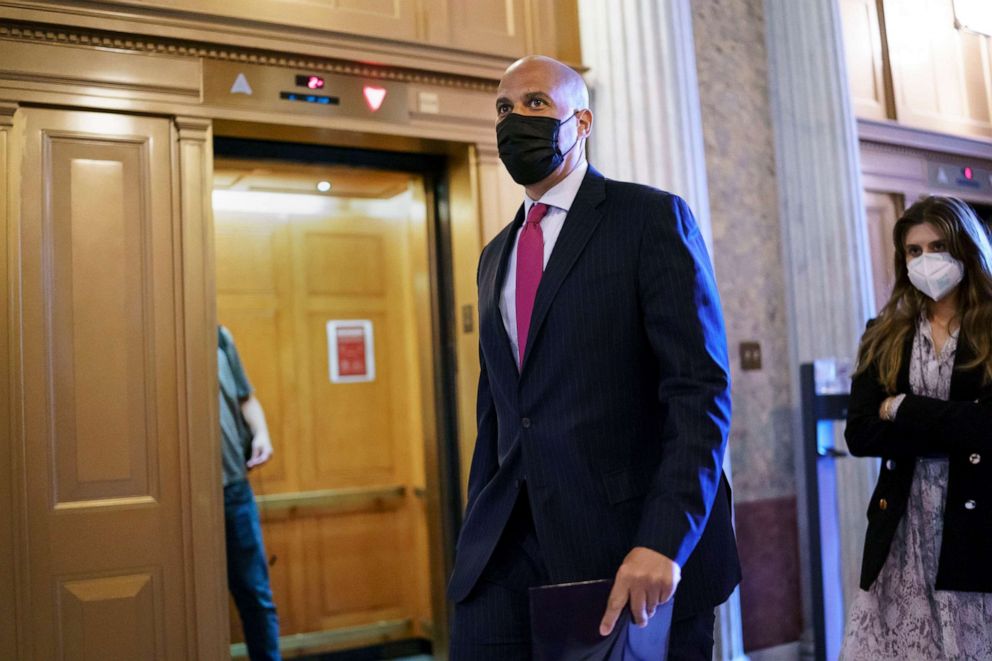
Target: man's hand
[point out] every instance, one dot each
(645, 579)
(261, 444)
(261, 450)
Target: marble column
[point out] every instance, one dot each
(642, 75)
(824, 241)
(647, 128)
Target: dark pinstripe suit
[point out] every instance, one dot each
(617, 421)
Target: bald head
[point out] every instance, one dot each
(541, 87)
(550, 76)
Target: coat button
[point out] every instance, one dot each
(525, 422)
(970, 505)
(975, 458)
(890, 464)
(883, 504)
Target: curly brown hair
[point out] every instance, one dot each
(967, 240)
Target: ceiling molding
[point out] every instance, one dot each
(71, 36)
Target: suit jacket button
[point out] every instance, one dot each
(970, 505)
(975, 458)
(890, 464)
(525, 422)
(883, 504)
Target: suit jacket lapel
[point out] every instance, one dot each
(582, 219)
(902, 381)
(509, 240)
(965, 384)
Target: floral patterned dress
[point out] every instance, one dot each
(902, 616)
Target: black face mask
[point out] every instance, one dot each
(528, 146)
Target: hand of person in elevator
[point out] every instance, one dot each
(261, 450)
(645, 579)
(261, 444)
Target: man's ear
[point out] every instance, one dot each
(585, 122)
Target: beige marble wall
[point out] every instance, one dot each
(732, 68)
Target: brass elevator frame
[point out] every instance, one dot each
(97, 61)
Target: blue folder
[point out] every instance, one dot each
(565, 622)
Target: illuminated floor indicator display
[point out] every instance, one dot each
(322, 93)
(310, 98)
(351, 350)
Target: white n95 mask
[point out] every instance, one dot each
(935, 273)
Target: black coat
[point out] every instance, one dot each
(960, 428)
(618, 420)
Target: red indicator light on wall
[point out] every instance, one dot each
(968, 173)
(374, 96)
(315, 82)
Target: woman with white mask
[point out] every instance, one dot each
(921, 400)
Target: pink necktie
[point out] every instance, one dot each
(530, 265)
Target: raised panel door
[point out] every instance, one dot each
(104, 536)
(864, 58)
(496, 27)
(941, 75)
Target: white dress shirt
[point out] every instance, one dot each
(559, 200)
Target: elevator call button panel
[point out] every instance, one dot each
(283, 90)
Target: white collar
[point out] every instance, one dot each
(562, 194)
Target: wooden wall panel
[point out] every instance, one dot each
(865, 58)
(489, 26)
(245, 260)
(358, 576)
(259, 332)
(125, 605)
(97, 242)
(389, 19)
(344, 264)
(977, 79)
(881, 212)
(941, 76)
(101, 72)
(252, 289)
(11, 479)
(503, 28)
(335, 565)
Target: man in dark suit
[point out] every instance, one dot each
(603, 402)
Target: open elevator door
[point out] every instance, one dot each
(330, 277)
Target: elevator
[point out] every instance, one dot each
(168, 186)
(331, 268)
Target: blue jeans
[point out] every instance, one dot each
(248, 573)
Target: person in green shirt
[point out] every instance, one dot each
(245, 444)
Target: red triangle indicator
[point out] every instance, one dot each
(374, 96)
